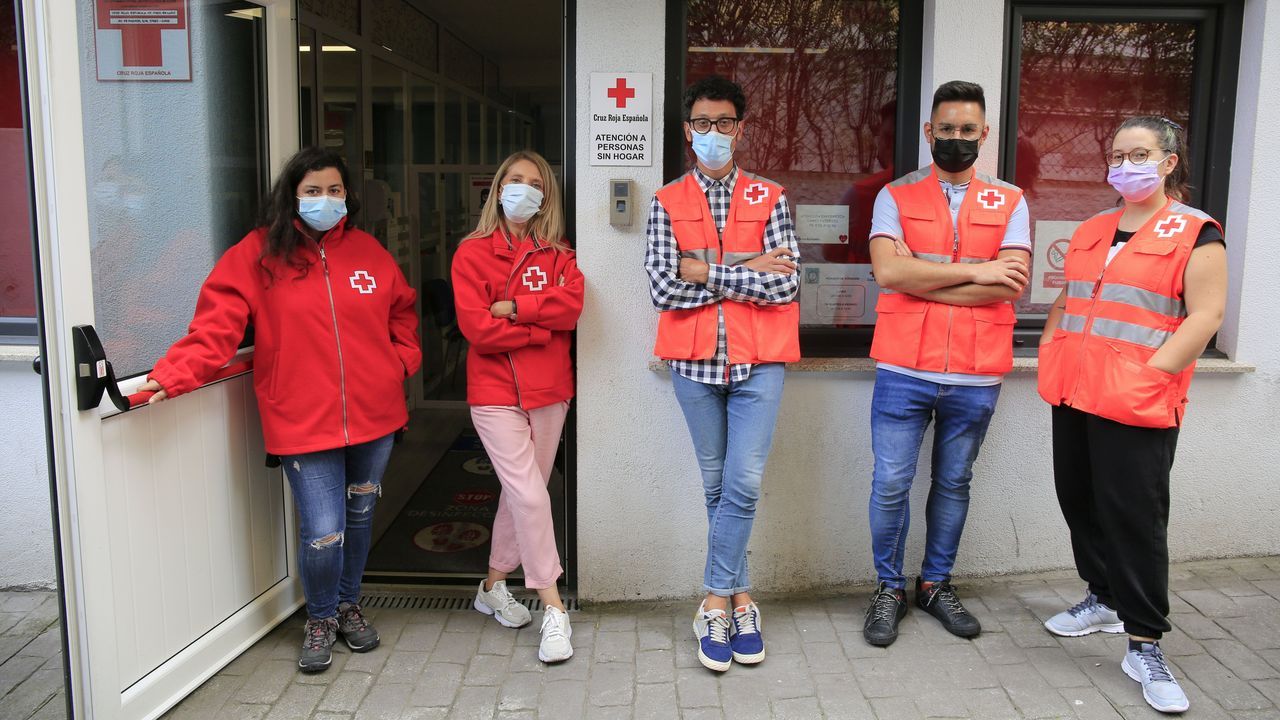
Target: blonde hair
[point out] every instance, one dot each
(547, 225)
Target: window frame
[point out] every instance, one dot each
(1213, 98)
(814, 341)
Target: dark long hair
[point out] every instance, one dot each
(1173, 140)
(280, 207)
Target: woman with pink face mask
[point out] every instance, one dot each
(1146, 290)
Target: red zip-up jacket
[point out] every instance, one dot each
(332, 346)
(525, 362)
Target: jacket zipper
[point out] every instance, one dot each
(955, 258)
(515, 267)
(342, 370)
(1093, 308)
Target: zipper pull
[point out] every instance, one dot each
(1096, 284)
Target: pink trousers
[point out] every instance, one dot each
(522, 448)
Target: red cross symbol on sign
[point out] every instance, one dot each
(621, 93)
(1171, 226)
(140, 25)
(534, 278)
(363, 282)
(756, 193)
(991, 198)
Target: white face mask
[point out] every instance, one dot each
(520, 202)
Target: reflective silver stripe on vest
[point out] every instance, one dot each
(931, 257)
(974, 260)
(1079, 289)
(735, 258)
(1145, 299)
(1129, 332)
(887, 291)
(1072, 323)
(706, 255)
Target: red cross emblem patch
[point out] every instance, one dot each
(1171, 226)
(756, 193)
(363, 282)
(991, 198)
(534, 278)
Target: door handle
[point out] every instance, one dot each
(36, 367)
(94, 373)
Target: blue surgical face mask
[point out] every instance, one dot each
(520, 202)
(713, 149)
(322, 213)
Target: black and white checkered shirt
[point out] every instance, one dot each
(733, 282)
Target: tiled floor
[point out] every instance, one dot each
(638, 661)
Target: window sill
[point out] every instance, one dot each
(1021, 366)
(18, 353)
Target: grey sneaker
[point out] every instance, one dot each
(356, 630)
(556, 632)
(317, 644)
(1085, 617)
(499, 603)
(1148, 666)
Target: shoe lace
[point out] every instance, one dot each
(946, 595)
(1088, 604)
(884, 605)
(552, 628)
(1157, 668)
(317, 633)
(354, 618)
(745, 622)
(505, 597)
(718, 629)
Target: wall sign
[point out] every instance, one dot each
(1050, 258)
(142, 40)
(621, 118)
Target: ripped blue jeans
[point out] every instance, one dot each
(335, 492)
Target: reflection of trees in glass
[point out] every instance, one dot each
(816, 73)
(1079, 80)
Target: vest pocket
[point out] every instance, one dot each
(777, 332)
(677, 334)
(1049, 372)
(1131, 391)
(899, 329)
(993, 338)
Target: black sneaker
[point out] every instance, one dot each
(888, 607)
(317, 644)
(356, 631)
(941, 602)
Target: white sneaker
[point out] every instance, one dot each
(499, 603)
(556, 632)
(1148, 666)
(1085, 617)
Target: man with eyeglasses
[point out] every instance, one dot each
(721, 259)
(950, 251)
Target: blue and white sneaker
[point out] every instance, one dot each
(1085, 617)
(1147, 665)
(747, 641)
(712, 628)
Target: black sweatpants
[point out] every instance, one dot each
(1113, 486)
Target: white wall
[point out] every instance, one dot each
(640, 519)
(26, 537)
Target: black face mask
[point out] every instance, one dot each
(955, 155)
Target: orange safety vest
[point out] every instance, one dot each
(755, 333)
(936, 337)
(1118, 315)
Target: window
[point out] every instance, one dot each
(1074, 74)
(832, 111)
(17, 269)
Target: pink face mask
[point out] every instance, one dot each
(1135, 183)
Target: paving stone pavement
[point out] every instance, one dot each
(639, 661)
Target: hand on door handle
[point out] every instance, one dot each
(149, 392)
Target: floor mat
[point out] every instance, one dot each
(445, 527)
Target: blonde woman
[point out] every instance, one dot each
(518, 294)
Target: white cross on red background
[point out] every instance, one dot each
(363, 282)
(1171, 226)
(534, 278)
(621, 93)
(756, 193)
(991, 198)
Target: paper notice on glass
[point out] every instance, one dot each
(822, 224)
(1047, 277)
(837, 294)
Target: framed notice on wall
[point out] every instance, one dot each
(142, 39)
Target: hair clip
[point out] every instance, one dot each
(1171, 123)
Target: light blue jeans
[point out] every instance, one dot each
(335, 492)
(732, 429)
(901, 408)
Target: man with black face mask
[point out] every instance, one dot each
(950, 251)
